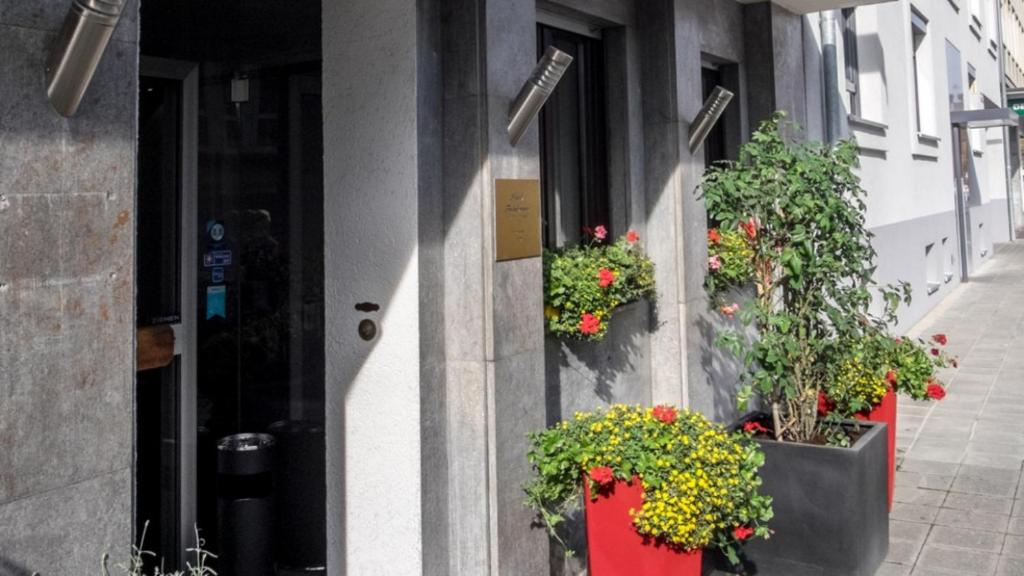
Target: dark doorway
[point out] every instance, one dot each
(235, 445)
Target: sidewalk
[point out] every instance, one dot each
(959, 502)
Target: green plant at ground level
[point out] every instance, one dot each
(802, 208)
(584, 284)
(136, 564)
(700, 481)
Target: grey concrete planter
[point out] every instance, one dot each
(831, 513)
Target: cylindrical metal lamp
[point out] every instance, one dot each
(535, 92)
(709, 114)
(78, 49)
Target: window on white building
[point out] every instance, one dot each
(924, 90)
(851, 58)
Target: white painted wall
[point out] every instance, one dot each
(370, 205)
(908, 176)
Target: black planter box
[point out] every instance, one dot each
(831, 508)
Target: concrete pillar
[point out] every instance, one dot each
(493, 332)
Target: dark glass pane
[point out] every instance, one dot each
(159, 201)
(573, 141)
(158, 435)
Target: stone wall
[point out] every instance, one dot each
(67, 230)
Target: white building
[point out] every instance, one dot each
(905, 70)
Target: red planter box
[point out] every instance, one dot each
(614, 548)
(886, 412)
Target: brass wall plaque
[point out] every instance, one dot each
(517, 219)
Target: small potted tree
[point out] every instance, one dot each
(800, 210)
(659, 485)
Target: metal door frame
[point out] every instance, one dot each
(185, 329)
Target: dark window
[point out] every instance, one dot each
(714, 145)
(573, 141)
(852, 59)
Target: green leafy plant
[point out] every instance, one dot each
(584, 284)
(700, 481)
(802, 209)
(730, 260)
(906, 365)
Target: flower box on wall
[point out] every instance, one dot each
(830, 504)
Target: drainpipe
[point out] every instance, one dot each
(1007, 133)
(830, 69)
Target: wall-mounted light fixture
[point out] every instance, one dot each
(709, 114)
(535, 92)
(77, 51)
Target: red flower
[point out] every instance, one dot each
(750, 227)
(730, 310)
(754, 428)
(935, 351)
(632, 237)
(715, 263)
(741, 533)
(600, 232)
(666, 414)
(935, 392)
(589, 324)
(713, 236)
(607, 277)
(898, 340)
(824, 404)
(940, 339)
(891, 379)
(603, 475)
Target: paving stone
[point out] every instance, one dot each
(987, 504)
(920, 496)
(972, 519)
(956, 560)
(935, 482)
(904, 552)
(1018, 507)
(987, 486)
(928, 467)
(994, 461)
(1016, 526)
(890, 569)
(913, 513)
(1016, 450)
(1010, 566)
(1013, 545)
(900, 530)
(966, 538)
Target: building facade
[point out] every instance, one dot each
(252, 285)
(906, 69)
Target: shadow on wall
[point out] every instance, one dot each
(10, 568)
(723, 371)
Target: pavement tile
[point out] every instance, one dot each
(994, 460)
(956, 560)
(986, 486)
(1013, 545)
(920, 496)
(987, 504)
(935, 482)
(903, 531)
(928, 467)
(913, 513)
(966, 538)
(890, 569)
(1018, 507)
(903, 552)
(1016, 526)
(971, 519)
(1010, 566)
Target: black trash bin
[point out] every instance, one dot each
(245, 505)
(301, 493)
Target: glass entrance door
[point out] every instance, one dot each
(230, 428)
